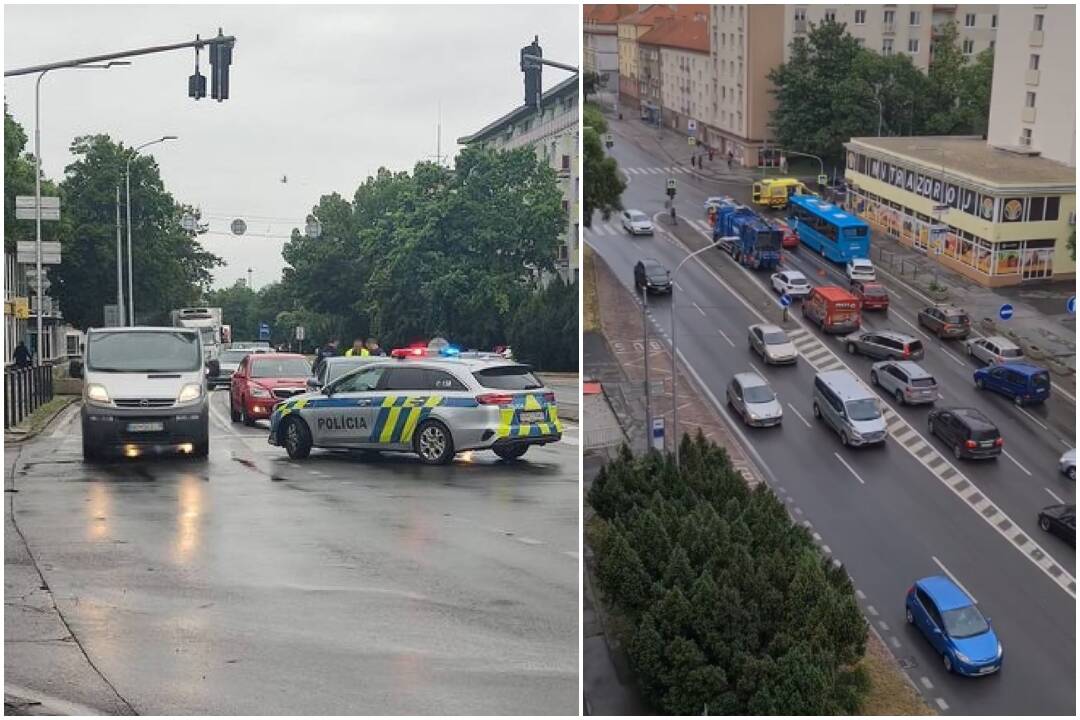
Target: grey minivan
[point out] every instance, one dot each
(848, 407)
(144, 389)
(908, 382)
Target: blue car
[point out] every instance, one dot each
(952, 624)
(1020, 382)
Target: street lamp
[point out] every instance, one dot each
(674, 351)
(127, 182)
(37, 192)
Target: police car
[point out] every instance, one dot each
(434, 404)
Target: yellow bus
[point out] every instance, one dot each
(774, 192)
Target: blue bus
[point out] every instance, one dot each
(828, 229)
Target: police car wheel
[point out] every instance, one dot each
(510, 452)
(433, 443)
(297, 439)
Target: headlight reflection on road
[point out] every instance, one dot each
(188, 517)
(98, 508)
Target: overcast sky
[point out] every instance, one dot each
(321, 95)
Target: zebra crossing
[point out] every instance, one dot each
(656, 170)
(604, 229)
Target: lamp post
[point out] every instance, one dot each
(127, 182)
(675, 355)
(37, 193)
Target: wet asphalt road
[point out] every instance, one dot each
(249, 584)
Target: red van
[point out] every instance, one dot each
(833, 309)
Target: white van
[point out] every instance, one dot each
(144, 390)
(850, 408)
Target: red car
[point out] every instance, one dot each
(872, 295)
(264, 379)
(790, 240)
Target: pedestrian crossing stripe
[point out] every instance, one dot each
(656, 170)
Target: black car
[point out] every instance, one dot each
(652, 276)
(1060, 520)
(967, 431)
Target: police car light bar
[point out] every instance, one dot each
(408, 352)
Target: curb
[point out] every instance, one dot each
(16, 696)
(15, 440)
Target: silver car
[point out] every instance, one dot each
(751, 397)
(772, 344)
(421, 403)
(1067, 463)
(636, 222)
(883, 344)
(337, 366)
(908, 382)
(229, 360)
(994, 350)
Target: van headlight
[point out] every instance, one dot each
(191, 391)
(96, 393)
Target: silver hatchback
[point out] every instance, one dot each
(772, 344)
(750, 396)
(906, 381)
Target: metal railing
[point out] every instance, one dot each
(25, 390)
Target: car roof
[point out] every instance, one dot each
(946, 594)
(845, 384)
(632, 210)
(834, 213)
(948, 309)
(279, 356)
(834, 292)
(973, 417)
(750, 379)
(793, 273)
(894, 334)
(145, 328)
(910, 368)
(359, 359)
(767, 327)
(1024, 368)
(652, 261)
(469, 364)
(1001, 341)
(860, 261)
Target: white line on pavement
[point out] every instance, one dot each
(954, 579)
(1016, 462)
(1033, 418)
(850, 469)
(799, 415)
(1060, 501)
(756, 369)
(699, 309)
(950, 354)
(872, 610)
(722, 334)
(941, 703)
(678, 287)
(926, 682)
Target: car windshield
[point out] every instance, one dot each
(758, 394)
(957, 319)
(636, 216)
(796, 281)
(338, 369)
(865, 409)
(776, 337)
(922, 382)
(233, 356)
(508, 377)
(142, 351)
(964, 622)
(1040, 381)
(874, 291)
(280, 368)
(984, 433)
(1012, 352)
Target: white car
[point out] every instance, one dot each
(994, 350)
(791, 283)
(636, 222)
(860, 269)
(1067, 463)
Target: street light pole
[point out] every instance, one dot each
(645, 343)
(675, 354)
(119, 263)
(127, 182)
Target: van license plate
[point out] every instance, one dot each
(531, 416)
(146, 427)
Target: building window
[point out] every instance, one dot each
(1038, 24)
(830, 15)
(969, 47)
(565, 165)
(1029, 100)
(1033, 62)
(861, 42)
(860, 17)
(886, 47)
(1025, 137)
(993, 21)
(969, 20)
(913, 46)
(991, 44)
(913, 18)
(800, 15)
(890, 17)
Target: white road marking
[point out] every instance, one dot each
(860, 594)
(1016, 462)
(910, 324)
(826, 549)
(1060, 501)
(954, 579)
(894, 641)
(926, 683)
(799, 415)
(725, 337)
(677, 285)
(872, 610)
(528, 540)
(850, 469)
(883, 625)
(950, 354)
(817, 538)
(571, 553)
(698, 308)
(798, 511)
(757, 369)
(941, 703)
(1033, 419)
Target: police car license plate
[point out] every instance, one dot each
(531, 416)
(146, 427)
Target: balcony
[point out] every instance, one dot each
(1032, 77)
(888, 28)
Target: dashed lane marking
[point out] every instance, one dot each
(954, 578)
(849, 468)
(871, 609)
(1033, 419)
(723, 335)
(926, 683)
(941, 703)
(894, 642)
(799, 415)
(1051, 492)
(699, 309)
(1016, 462)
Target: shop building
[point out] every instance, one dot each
(997, 216)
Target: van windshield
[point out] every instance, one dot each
(143, 351)
(865, 409)
(1040, 381)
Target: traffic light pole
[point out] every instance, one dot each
(228, 40)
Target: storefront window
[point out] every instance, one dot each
(1007, 258)
(983, 255)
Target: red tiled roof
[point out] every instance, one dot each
(685, 32)
(653, 14)
(607, 14)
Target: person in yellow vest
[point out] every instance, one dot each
(357, 349)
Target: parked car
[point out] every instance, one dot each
(993, 350)
(945, 321)
(884, 345)
(1067, 463)
(1022, 383)
(908, 382)
(948, 619)
(263, 380)
(1059, 520)
(772, 344)
(229, 360)
(832, 308)
(860, 269)
(967, 431)
(652, 276)
(750, 396)
(871, 295)
(850, 408)
(791, 283)
(636, 222)
(333, 367)
(789, 240)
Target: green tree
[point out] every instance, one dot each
(946, 77)
(589, 83)
(544, 330)
(977, 79)
(19, 180)
(239, 307)
(603, 188)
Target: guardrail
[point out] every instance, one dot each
(25, 390)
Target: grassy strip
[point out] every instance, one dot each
(35, 421)
(592, 300)
(890, 693)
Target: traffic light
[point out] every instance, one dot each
(671, 187)
(220, 60)
(532, 68)
(196, 84)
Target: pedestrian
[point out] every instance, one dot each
(673, 220)
(711, 150)
(23, 358)
(730, 157)
(330, 349)
(691, 161)
(373, 347)
(357, 349)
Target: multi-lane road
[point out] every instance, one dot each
(250, 584)
(891, 514)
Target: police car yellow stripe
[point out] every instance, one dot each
(506, 417)
(531, 403)
(414, 418)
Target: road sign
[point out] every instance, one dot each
(691, 125)
(658, 434)
(238, 227)
(609, 140)
(671, 183)
(299, 332)
(1006, 311)
(785, 300)
(823, 180)
(25, 208)
(26, 252)
(1070, 305)
(264, 331)
(691, 141)
(112, 316)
